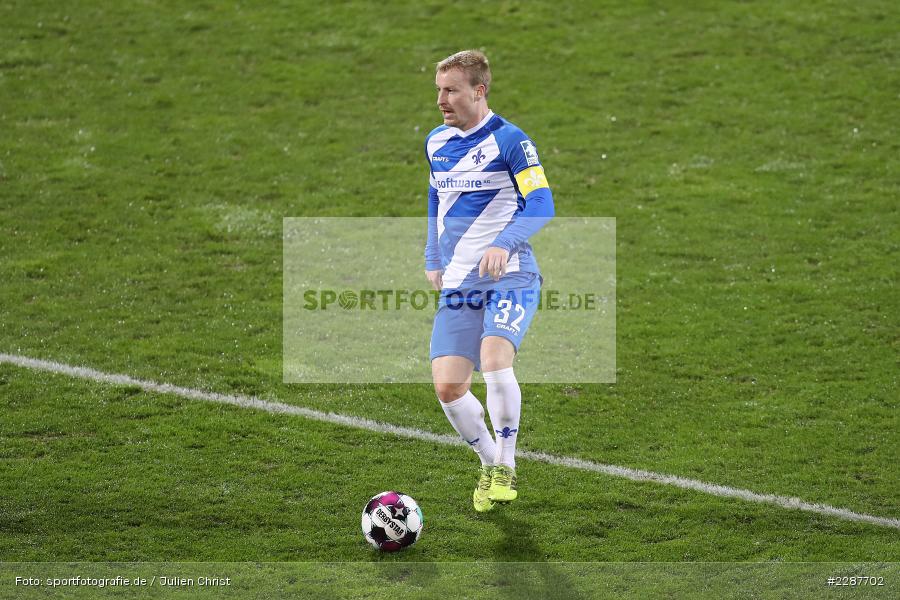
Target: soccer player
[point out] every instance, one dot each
(487, 196)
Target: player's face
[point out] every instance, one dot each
(458, 100)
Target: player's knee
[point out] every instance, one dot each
(497, 353)
(448, 392)
(495, 361)
(494, 364)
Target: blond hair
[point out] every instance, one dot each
(473, 63)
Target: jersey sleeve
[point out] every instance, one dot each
(432, 249)
(521, 156)
(519, 151)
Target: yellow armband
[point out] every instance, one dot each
(531, 179)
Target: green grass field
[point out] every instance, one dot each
(748, 151)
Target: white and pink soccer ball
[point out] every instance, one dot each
(392, 521)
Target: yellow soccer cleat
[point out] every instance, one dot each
(480, 498)
(503, 484)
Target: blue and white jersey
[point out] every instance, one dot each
(487, 188)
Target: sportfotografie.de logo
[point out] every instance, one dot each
(375, 300)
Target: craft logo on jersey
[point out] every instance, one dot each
(479, 157)
(530, 152)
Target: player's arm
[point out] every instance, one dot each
(520, 154)
(433, 267)
(538, 209)
(537, 212)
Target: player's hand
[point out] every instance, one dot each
(436, 279)
(493, 263)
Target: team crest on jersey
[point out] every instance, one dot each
(530, 151)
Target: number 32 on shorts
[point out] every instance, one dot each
(504, 306)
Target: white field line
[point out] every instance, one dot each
(418, 434)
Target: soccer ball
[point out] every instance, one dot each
(392, 521)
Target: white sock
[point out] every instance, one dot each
(504, 402)
(467, 417)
